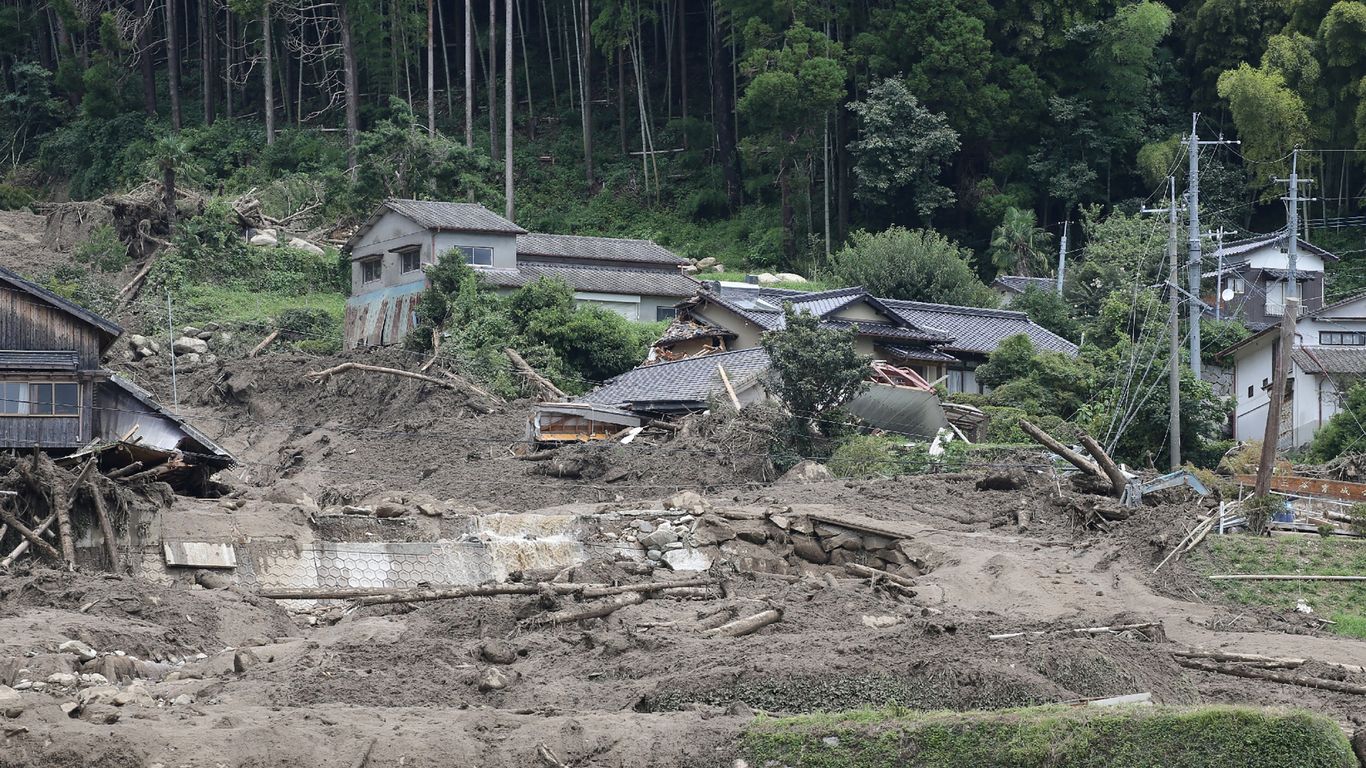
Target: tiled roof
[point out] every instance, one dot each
(690, 381)
(623, 280)
(1020, 283)
(823, 303)
(1330, 360)
(599, 248)
(757, 310)
(465, 217)
(916, 353)
(106, 326)
(978, 330)
(1236, 247)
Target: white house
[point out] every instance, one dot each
(1257, 269)
(1328, 356)
(636, 278)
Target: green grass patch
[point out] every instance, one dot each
(253, 314)
(1052, 737)
(1343, 602)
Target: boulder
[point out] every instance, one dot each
(264, 240)
(790, 277)
(809, 549)
(205, 336)
(193, 358)
(62, 679)
(389, 509)
(767, 278)
(493, 679)
(496, 651)
(718, 268)
(661, 537)
(880, 622)
(82, 651)
(689, 269)
(707, 262)
(300, 244)
(808, 471)
(712, 530)
(191, 330)
(687, 501)
(11, 703)
(99, 694)
(686, 560)
(190, 345)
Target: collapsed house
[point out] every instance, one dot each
(59, 398)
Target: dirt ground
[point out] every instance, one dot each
(224, 677)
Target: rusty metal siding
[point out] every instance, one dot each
(382, 317)
(29, 324)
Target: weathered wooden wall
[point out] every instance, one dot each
(28, 324)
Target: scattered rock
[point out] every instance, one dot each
(389, 510)
(712, 530)
(100, 694)
(808, 471)
(654, 554)
(82, 651)
(687, 501)
(687, 560)
(767, 278)
(243, 660)
(298, 243)
(880, 622)
(264, 240)
(11, 703)
(706, 262)
(71, 708)
(790, 277)
(62, 679)
(183, 700)
(189, 345)
(497, 652)
(661, 537)
(492, 679)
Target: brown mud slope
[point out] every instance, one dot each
(467, 679)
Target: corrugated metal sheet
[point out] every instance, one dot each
(382, 317)
(900, 409)
(597, 248)
(35, 360)
(199, 554)
(123, 405)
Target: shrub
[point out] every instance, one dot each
(917, 265)
(815, 371)
(863, 456)
(103, 250)
(13, 198)
(1259, 509)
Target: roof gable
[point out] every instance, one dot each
(440, 216)
(108, 329)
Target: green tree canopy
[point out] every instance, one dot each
(911, 264)
(903, 148)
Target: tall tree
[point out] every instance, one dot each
(173, 62)
(722, 106)
(268, 73)
(585, 96)
(207, 60)
(469, 73)
(350, 85)
(1019, 246)
(903, 149)
(144, 52)
(493, 79)
(431, 69)
(507, 109)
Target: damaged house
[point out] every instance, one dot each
(58, 397)
(713, 350)
(637, 279)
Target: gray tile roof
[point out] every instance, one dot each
(622, 280)
(104, 325)
(600, 248)
(756, 310)
(466, 217)
(35, 360)
(823, 303)
(689, 382)
(1331, 360)
(978, 330)
(1020, 283)
(1236, 247)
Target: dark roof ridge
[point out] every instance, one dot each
(958, 308)
(66, 305)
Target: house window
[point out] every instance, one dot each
(477, 255)
(411, 260)
(1342, 339)
(1237, 284)
(666, 313)
(371, 270)
(40, 399)
(1249, 391)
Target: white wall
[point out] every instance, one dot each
(1254, 365)
(1270, 256)
(394, 231)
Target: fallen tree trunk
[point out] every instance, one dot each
(1046, 440)
(1238, 657)
(33, 537)
(131, 469)
(389, 596)
(595, 611)
(547, 388)
(272, 336)
(456, 384)
(1117, 479)
(875, 574)
(1254, 673)
(1114, 629)
(747, 625)
(1281, 577)
(106, 529)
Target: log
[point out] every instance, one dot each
(1046, 440)
(59, 505)
(875, 574)
(106, 529)
(1113, 629)
(272, 336)
(381, 596)
(1204, 522)
(549, 391)
(595, 611)
(1230, 656)
(1117, 479)
(24, 545)
(1254, 673)
(125, 471)
(747, 625)
(32, 537)
(1281, 577)
(730, 391)
(130, 291)
(457, 384)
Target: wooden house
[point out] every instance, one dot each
(56, 394)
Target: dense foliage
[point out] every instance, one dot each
(816, 370)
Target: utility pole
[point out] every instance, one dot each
(1062, 255)
(1193, 265)
(1272, 435)
(1174, 323)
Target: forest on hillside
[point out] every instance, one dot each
(765, 131)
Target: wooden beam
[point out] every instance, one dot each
(735, 401)
(1046, 440)
(33, 537)
(1117, 479)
